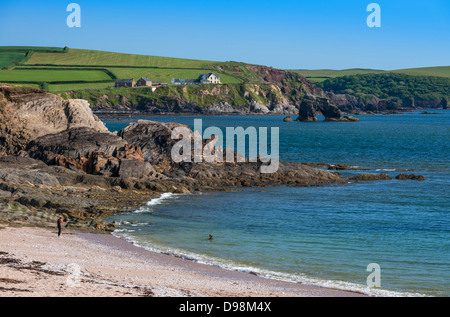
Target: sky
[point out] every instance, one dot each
(291, 34)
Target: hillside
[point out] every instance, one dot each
(320, 75)
(63, 69)
(409, 90)
(90, 75)
(245, 88)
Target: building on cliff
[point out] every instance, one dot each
(125, 83)
(144, 82)
(208, 78)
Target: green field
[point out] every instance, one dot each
(8, 58)
(323, 74)
(68, 69)
(68, 87)
(319, 75)
(99, 58)
(54, 75)
(64, 69)
(443, 71)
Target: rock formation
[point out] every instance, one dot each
(311, 105)
(56, 156)
(28, 113)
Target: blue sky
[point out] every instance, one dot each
(283, 34)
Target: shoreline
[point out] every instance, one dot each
(111, 266)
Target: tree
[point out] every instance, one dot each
(444, 103)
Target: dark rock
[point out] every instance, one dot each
(73, 143)
(307, 110)
(287, 119)
(411, 176)
(153, 138)
(371, 177)
(135, 169)
(28, 177)
(311, 105)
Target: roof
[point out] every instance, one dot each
(182, 80)
(209, 74)
(125, 80)
(146, 79)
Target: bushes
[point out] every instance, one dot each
(405, 87)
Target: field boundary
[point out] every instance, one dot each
(106, 71)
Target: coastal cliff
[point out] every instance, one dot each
(270, 91)
(57, 158)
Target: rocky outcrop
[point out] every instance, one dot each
(91, 152)
(376, 177)
(77, 169)
(371, 177)
(29, 113)
(307, 109)
(73, 143)
(311, 105)
(154, 138)
(410, 177)
(272, 91)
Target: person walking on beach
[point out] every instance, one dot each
(59, 226)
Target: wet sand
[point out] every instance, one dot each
(35, 262)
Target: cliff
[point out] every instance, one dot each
(57, 158)
(264, 90)
(27, 113)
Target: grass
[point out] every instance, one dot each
(320, 75)
(8, 58)
(54, 88)
(442, 71)
(99, 58)
(66, 71)
(55, 75)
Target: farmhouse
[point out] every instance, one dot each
(209, 78)
(125, 83)
(144, 82)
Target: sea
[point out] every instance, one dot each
(382, 238)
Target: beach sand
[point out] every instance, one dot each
(35, 262)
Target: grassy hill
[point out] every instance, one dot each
(63, 69)
(321, 75)
(93, 73)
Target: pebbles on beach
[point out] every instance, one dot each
(35, 262)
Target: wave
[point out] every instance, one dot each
(154, 202)
(280, 276)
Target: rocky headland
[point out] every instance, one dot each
(58, 159)
(271, 91)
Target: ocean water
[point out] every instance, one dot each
(322, 235)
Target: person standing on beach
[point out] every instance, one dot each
(59, 226)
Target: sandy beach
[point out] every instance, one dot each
(34, 262)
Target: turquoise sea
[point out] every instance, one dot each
(322, 235)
